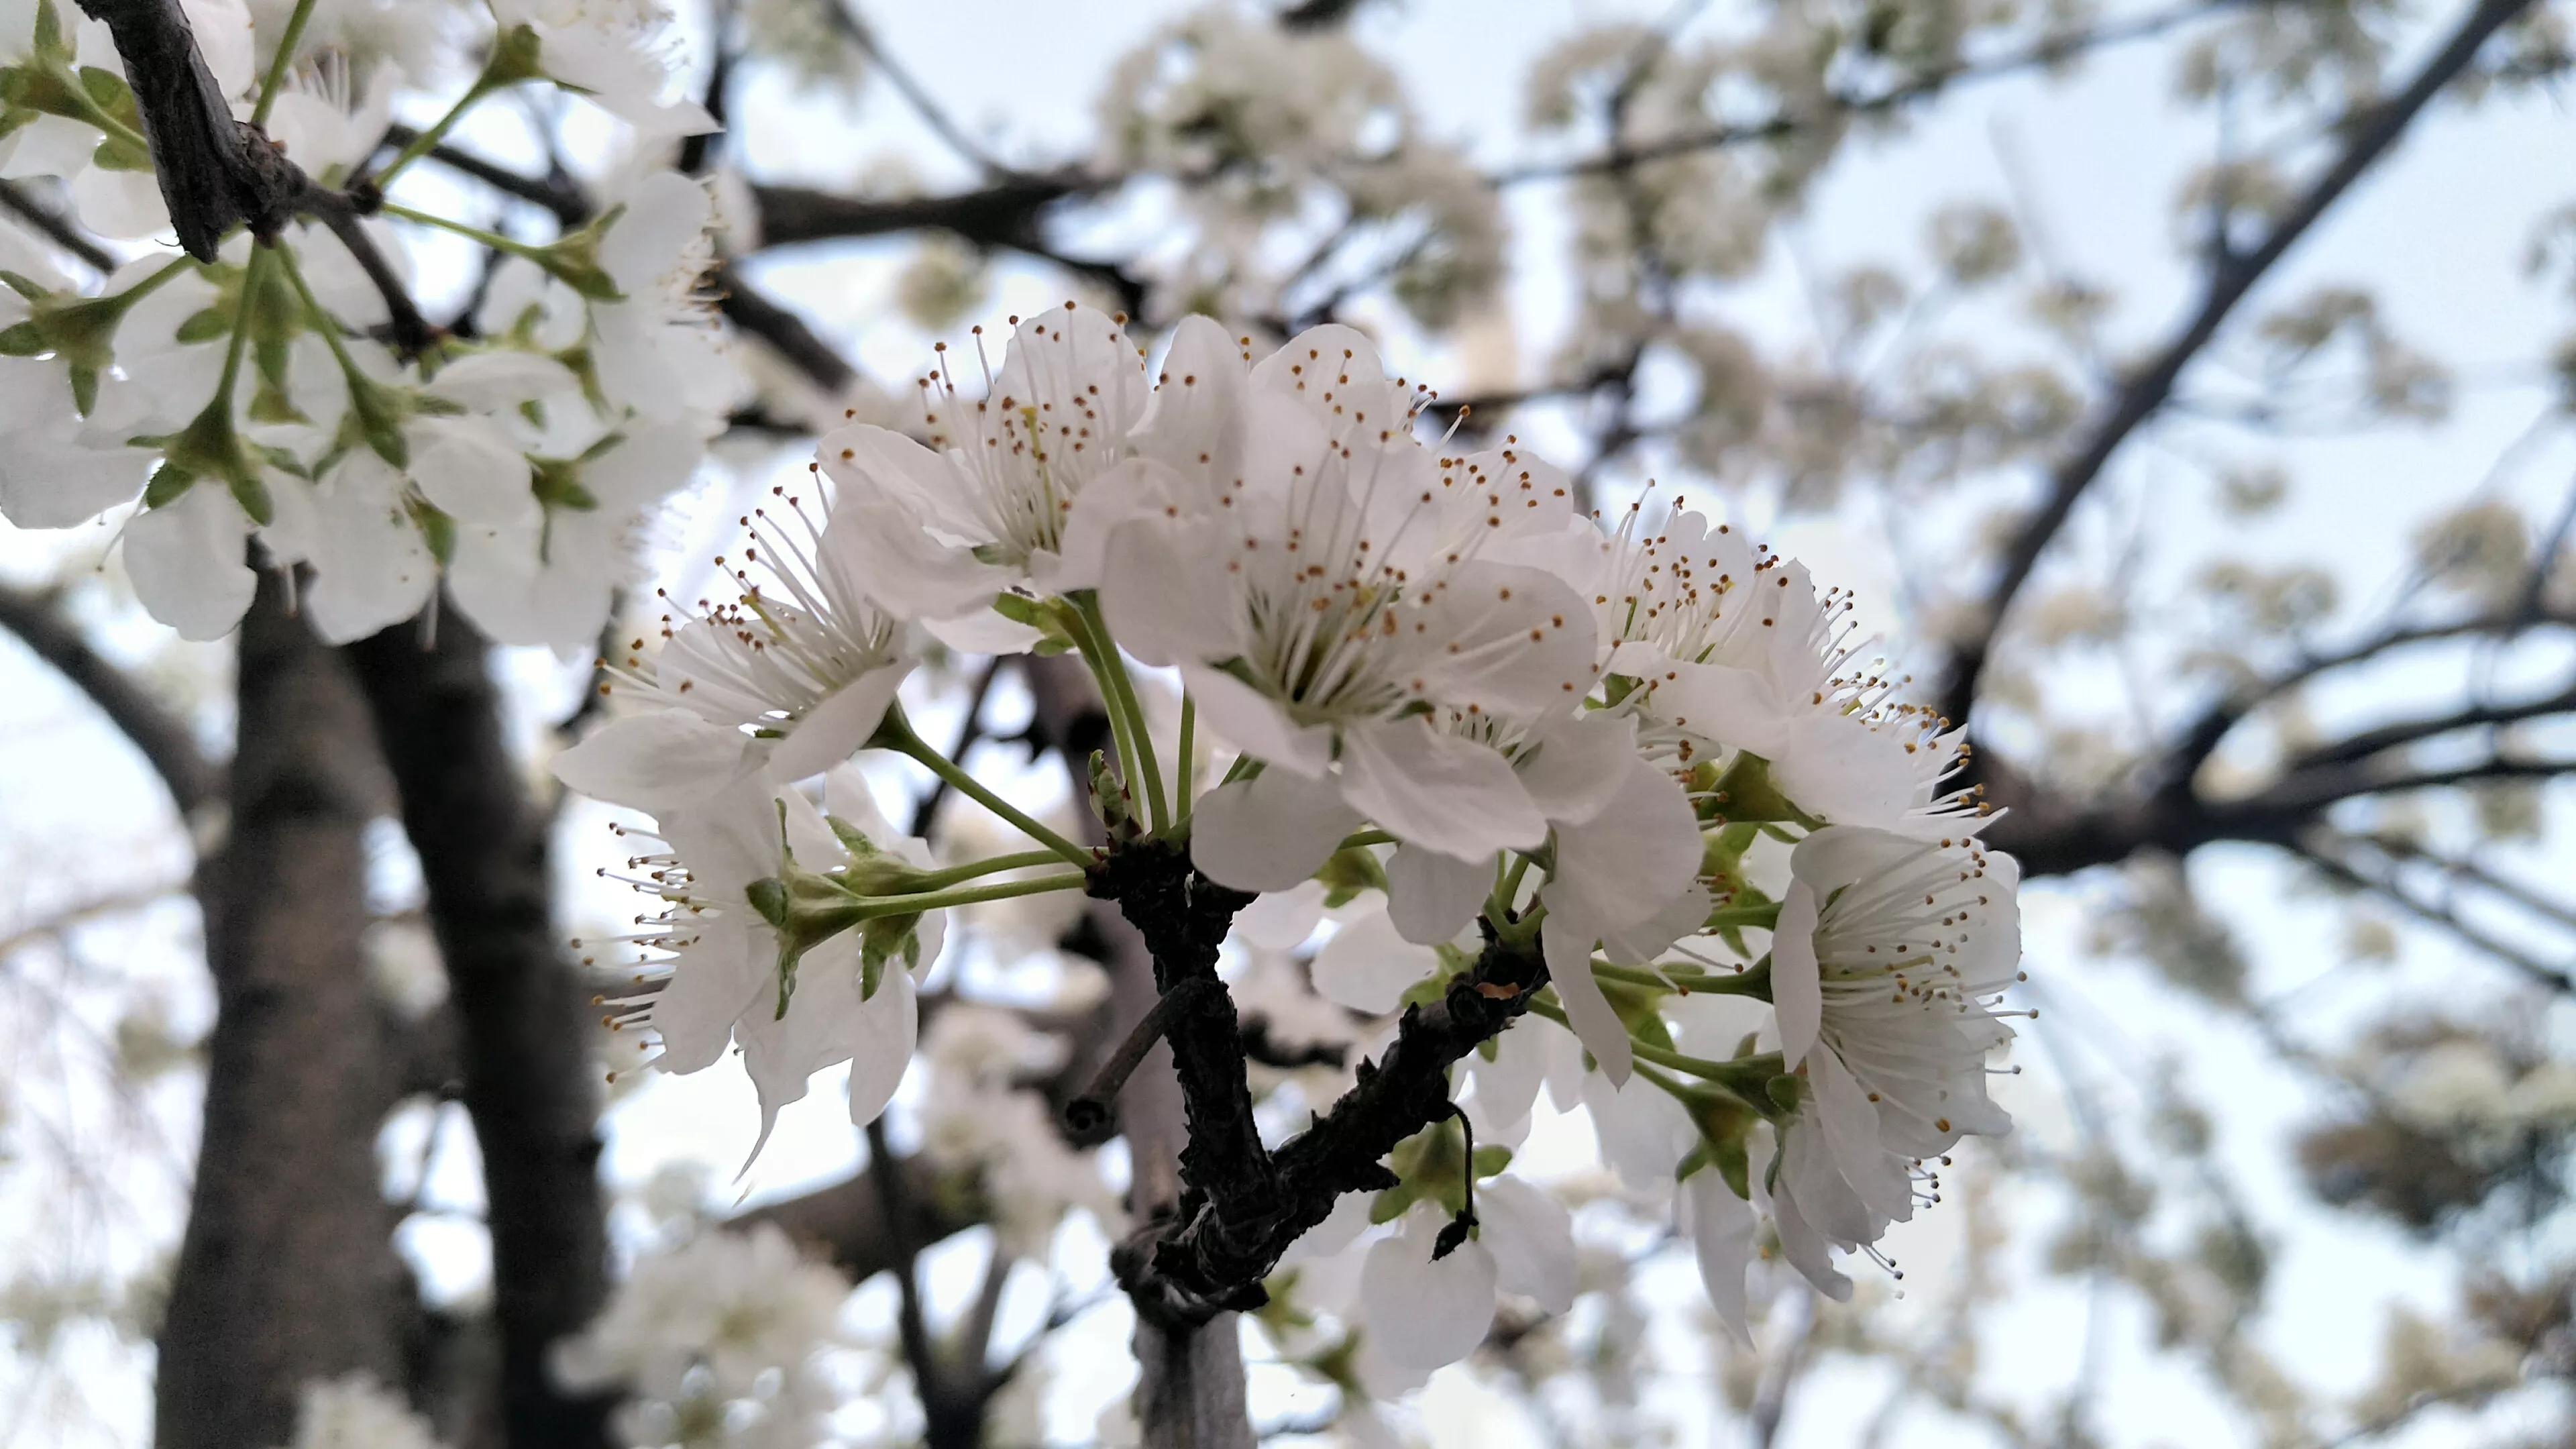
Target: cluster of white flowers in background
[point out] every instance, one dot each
(254, 404)
(718, 1341)
(1442, 696)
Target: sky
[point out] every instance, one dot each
(2442, 226)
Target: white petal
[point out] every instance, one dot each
(1440, 791)
(1270, 832)
(1432, 897)
(1424, 1314)
(472, 471)
(713, 982)
(1256, 725)
(1282, 920)
(659, 760)
(1797, 984)
(1644, 1134)
(1367, 967)
(1569, 965)
(189, 561)
(836, 728)
(1193, 422)
(1721, 1228)
(984, 631)
(1574, 765)
(1631, 860)
(1165, 591)
(1507, 1086)
(881, 1043)
(374, 569)
(1532, 1238)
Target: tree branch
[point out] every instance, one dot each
(2370, 137)
(165, 738)
(55, 227)
(520, 1008)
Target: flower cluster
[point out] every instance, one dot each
(1648, 754)
(256, 402)
(717, 1341)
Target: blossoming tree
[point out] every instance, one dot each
(1423, 796)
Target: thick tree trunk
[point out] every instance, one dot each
(521, 1010)
(286, 1272)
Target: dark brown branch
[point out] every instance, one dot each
(1088, 1116)
(1007, 213)
(885, 1175)
(2372, 134)
(845, 1224)
(1203, 1260)
(55, 227)
(163, 736)
(2320, 854)
(2354, 748)
(845, 15)
(217, 173)
(528, 1086)
(754, 313)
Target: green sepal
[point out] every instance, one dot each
(1349, 872)
(168, 484)
(557, 484)
(206, 326)
(251, 492)
(24, 286)
(437, 530)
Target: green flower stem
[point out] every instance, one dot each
(1113, 673)
(1745, 983)
(1002, 890)
(323, 322)
(1185, 767)
(492, 239)
(896, 734)
(1763, 917)
(422, 144)
(1744, 1076)
(254, 277)
(275, 81)
(1120, 736)
(942, 879)
(1361, 838)
(1507, 887)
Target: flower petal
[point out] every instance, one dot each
(1270, 832)
(1368, 967)
(1532, 1238)
(1441, 791)
(836, 728)
(1421, 1313)
(1432, 897)
(1569, 966)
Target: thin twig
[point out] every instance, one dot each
(1087, 1116)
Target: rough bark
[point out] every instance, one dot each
(1189, 1387)
(520, 1007)
(286, 1272)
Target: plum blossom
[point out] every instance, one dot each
(745, 948)
(1312, 573)
(1016, 489)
